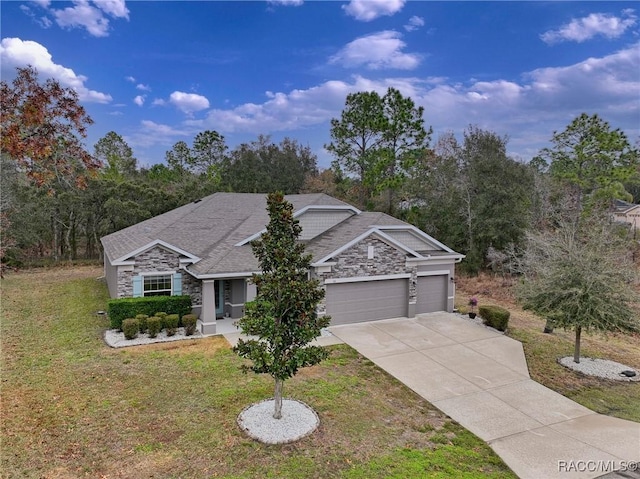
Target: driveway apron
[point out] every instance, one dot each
(479, 378)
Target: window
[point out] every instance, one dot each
(157, 285)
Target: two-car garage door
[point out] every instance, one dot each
(354, 302)
(367, 300)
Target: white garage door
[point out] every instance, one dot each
(367, 300)
(432, 293)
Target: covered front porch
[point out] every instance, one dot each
(223, 301)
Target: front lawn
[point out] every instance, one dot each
(73, 407)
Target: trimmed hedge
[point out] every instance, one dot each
(123, 308)
(189, 322)
(171, 322)
(495, 316)
(154, 326)
(130, 327)
(142, 320)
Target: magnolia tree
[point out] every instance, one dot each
(581, 277)
(283, 315)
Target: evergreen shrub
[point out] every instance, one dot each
(495, 316)
(154, 326)
(142, 321)
(122, 308)
(189, 322)
(130, 327)
(171, 322)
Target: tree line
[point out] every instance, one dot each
(57, 199)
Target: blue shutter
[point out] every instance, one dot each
(137, 286)
(177, 284)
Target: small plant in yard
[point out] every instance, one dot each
(154, 326)
(171, 322)
(473, 302)
(130, 328)
(142, 321)
(189, 322)
(162, 315)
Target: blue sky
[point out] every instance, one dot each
(159, 72)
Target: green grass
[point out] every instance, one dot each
(73, 407)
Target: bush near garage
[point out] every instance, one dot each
(495, 316)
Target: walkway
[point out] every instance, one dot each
(480, 379)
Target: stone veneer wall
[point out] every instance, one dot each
(193, 287)
(159, 260)
(354, 262)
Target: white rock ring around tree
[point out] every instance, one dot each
(298, 421)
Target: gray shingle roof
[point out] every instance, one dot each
(211, 227)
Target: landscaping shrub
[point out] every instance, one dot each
(154, 326)
(120, 309)
(495, 316)
(189, 323)
(161, 315)
(130, 327)
(171, 322)
(142, 321)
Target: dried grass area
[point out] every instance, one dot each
(543, 350)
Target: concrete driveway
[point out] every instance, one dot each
(479, 378)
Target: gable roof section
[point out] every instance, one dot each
(126, 259)
(385, 227)
(316, 218)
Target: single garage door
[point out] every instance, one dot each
(432, 293)
(367, 300)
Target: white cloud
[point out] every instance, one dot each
(415, 22)
(286, 3)
(151, 133)
(188, 102)
(382, 50)
(527, 111)
(44, 22)
(115, 8)
(139, 100)
(15, 52)
(92, 16)
(367, 10)
(143, 87)
(130, 79)
(582, 29)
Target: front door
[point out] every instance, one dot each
(219, 285)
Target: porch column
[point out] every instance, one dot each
(208, 313)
